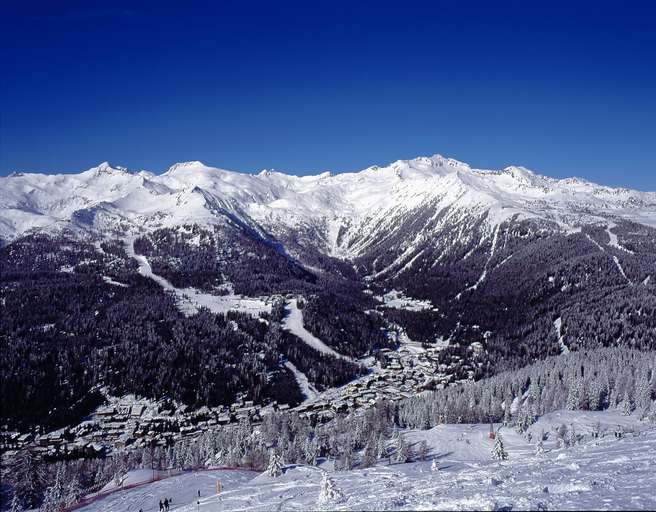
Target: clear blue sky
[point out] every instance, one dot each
(564, 88)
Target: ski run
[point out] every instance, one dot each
(458, 473)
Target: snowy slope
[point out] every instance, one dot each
(601, 474)
(182, 488)
(347, 211)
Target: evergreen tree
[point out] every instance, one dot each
(574, 395)
(499, 451)
(381, 447)
(274, 469)
(329, 493)
(627, 407)
(369, 455)
(507, 415)
(73, 492)
(402, 454)
(423, 450)
(28, 478)
(15, 504)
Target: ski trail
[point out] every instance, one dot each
(612, 243)
(487, 263)
(307, 389)
(293, 323)
(619, 267)
(558, 324)
(596, 243)
(190, 300)
(613, 240)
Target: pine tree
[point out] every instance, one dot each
(274, 468)
(52, 500)
(28, 478)
(594, 394)
(381, 447)
(329, 493)
(507, 415)
(627, 407)
(310, 452)
(15, 505)
(423, 450)
(402, 454)
(369, 456)
(574, 395)
(499, 451)
(73, 492)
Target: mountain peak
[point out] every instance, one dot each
(191, 165)
(107, 168)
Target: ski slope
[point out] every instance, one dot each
(183, 489)
(293, 322)
(605, 473)
(189, 300)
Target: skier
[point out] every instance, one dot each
(166, 504)
(161, 506)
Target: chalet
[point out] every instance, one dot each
(106, 412)
(137, 410)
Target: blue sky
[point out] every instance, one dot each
(564, 88)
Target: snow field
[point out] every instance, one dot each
(182, 488)
(603, 473)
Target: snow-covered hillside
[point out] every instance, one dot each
(347, 212)
(604, 473)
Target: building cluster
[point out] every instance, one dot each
(402, 374)
(126, 423)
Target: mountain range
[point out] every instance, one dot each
(123, 264)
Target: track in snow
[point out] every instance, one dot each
(293, 322)
(189, 300)
(307, 389)
(558, 324)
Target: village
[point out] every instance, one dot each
(127, 423)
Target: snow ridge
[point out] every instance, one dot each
(351, 210)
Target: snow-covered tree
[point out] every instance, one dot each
(274, 469)
(55, 495)
(435, 466)
(574, 395)
(381, 447)
(627, 407)
(507, 415)
(310, 451)
(369, 455)
(15, 505)
(28, 477)
(572, 438)
(539, 448)
(498, 450)
(73, 492)
(329, 493)
(422, 452)
(402, 454)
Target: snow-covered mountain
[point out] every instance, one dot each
(344, 214)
